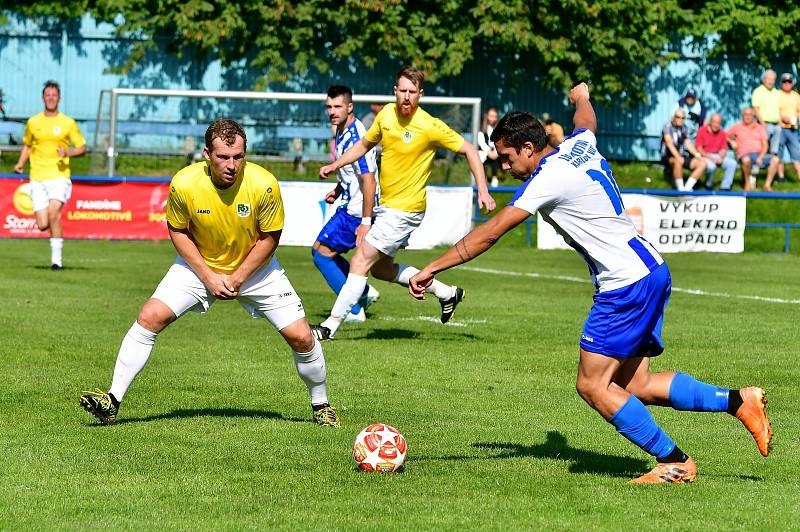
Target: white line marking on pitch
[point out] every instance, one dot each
(689, 291)
(462, 323)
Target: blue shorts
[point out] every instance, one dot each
(339, 233)
(627, 322)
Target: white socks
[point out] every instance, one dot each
(311, 368)
(437, 288)
(348, 296)
(138, 344)
(679, 184)
(133, 354)
(56, 245)
(354, 287)
(690, 183)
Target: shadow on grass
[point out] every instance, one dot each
(403, 334)
(65, 268)
(186, 413)
(390, 334)
(555, 447)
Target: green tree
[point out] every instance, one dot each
(761, 31)
(611, 44)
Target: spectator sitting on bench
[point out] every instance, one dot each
(749, 139)
(678, 152)
(712, 142)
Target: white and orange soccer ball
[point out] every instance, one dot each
(380, 448)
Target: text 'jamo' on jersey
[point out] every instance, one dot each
(574, 190)
(225, 223)
(409, 145)
(45, 134)
(352, 198)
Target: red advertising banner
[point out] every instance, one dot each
(120, 211)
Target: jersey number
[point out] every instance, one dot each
(606, 180)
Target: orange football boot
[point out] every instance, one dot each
(753, 415)
(669, 473)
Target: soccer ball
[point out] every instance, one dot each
(380, 448)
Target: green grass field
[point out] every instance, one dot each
(216, 431)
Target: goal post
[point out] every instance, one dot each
(171, 122)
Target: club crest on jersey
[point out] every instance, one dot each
(56, 130)
(407, 136)
(243, 210)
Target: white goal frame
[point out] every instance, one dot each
(475, 103)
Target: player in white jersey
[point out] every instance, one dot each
(573, 188)
(352, 219)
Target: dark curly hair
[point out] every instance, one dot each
(225, 130)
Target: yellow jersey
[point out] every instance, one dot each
(44, 134)
(790, 109)
(767, 101)
(409, 145)
(225, 223)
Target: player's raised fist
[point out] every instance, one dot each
(579, 91)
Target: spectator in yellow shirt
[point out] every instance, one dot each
(765, 101)
(790, 115)
(50, 139)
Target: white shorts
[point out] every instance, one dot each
(42, 192)
(392, 229)
(266, 293)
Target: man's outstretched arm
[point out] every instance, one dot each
(353, 153)
(469, 247)
(584, 113)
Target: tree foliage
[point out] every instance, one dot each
(611, 44)
(761, 31)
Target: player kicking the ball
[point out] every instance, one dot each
(574, 190)
(410, 138)
(225, 218)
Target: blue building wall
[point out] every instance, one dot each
(78, 54)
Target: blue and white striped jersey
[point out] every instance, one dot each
(574, 190)
(347, 175)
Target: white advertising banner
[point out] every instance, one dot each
(676, 223)
(448, 217)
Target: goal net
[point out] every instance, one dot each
(157, 131)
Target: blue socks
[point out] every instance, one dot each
(634, 422)
(688, 393)
(334, 270)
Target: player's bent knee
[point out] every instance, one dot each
(638, 387)
(384, 273)
(155, 316)
(298, 336)
(587, 390)
(384, 269)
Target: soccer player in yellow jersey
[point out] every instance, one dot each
(410, 138)
(225, 218)
(47, 140)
